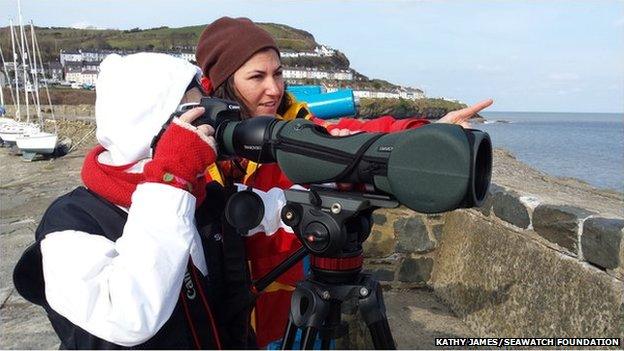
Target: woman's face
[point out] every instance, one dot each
(259, 83)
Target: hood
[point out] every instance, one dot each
(135, 95)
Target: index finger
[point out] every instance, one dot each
(479, 106)
(192, 114)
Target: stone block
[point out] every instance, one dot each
(379, 218)
(559, 224)
(391, 260)
(601, 242)
(437, 231)
(412, 235)
(416, 270)
(506, 285)
(380, 243)
(486, 207)
(508, 207)
(381, 274)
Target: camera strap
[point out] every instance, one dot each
(197, 310)
(357, 158)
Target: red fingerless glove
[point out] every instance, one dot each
(180, 158)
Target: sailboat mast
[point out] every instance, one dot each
(45, 82)
(8, 76)
(18, 116)
(33, 60)
(22, 48)
(2, 96)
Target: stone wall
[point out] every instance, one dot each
(400, 251)
(515, 267)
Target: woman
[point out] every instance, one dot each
(241, 62)
(125, 262)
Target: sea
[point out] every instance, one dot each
(586, 146)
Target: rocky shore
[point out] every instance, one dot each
(416, 316)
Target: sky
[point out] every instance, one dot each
(555, 56)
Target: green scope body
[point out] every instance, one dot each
(431, 169)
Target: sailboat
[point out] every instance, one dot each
(37, 142)
(12, 129)
(30, 138)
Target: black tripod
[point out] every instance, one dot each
(332, 227)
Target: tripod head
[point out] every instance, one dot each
(332, 226)
(325, 220)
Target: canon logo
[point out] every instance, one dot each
(188, 285)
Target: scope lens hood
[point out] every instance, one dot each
(244, 210)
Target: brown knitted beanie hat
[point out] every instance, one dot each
(226, 44)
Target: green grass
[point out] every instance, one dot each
(52, 40)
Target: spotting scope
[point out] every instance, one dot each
(431, 169)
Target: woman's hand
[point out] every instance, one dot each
(462, 116)
(205, 131)
(343, 132)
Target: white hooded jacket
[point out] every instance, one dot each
(124, 291)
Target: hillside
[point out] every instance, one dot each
(52, 39)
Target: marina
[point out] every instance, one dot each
(28, 138)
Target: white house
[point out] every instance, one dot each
(71, 56)
(84, 56)
(189, 56)
(74, 77)
(342, 75)
(411, 93)
(319, 51)
(312, 73)
(403, 93)
(88, 77)
(324, 51)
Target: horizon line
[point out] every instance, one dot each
(526, 111)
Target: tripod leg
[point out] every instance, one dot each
(381, 335)
(333, 327)
(308, 338)
(307, 311)
(289, 336)
(373, 311)
(325, 343)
